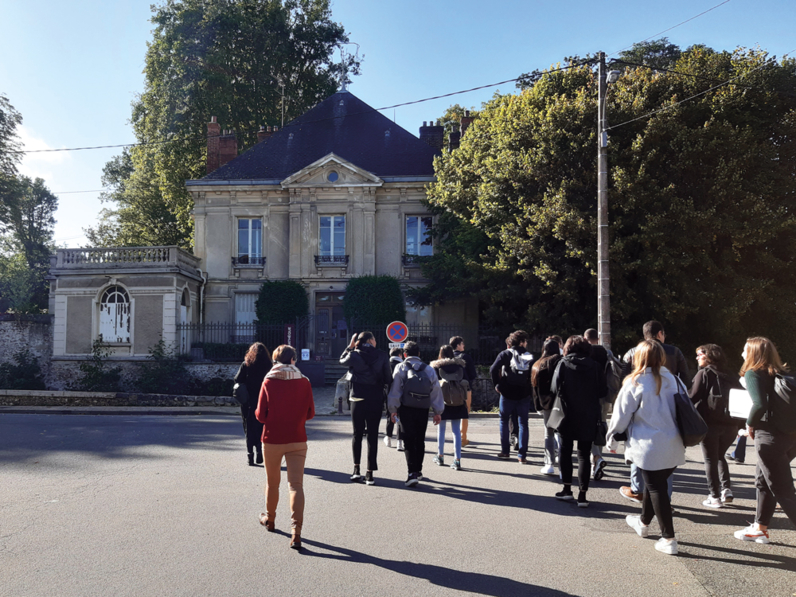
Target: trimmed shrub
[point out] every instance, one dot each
(374, 299)
(24, 375)
(165, 372)
(97, 376)
(281, 301)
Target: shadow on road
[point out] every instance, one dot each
(460, 580)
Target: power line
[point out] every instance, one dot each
(670, 28)
(293, 123)
(669, 107)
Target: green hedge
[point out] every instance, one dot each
(374, 298)
(281, 302)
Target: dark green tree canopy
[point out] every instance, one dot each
(10, 146)
(374, 300)
(223, 58)
(281, 301)
(701, 202)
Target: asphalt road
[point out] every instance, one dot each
(165, 505)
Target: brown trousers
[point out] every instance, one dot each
(295, 455)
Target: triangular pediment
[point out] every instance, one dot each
(331, 171)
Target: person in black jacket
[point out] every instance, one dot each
(580, 384)
(256, 364)
(470, 375)
(599, 354)
(512, 380)
(710, 393)
(541, 377)
(370, 374)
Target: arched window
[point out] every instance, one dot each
(114, 321)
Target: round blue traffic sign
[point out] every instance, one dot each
(397, 331)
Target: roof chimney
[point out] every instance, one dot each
(433, 134)
(263, 134)
(227, 148)
(454, 138)
(213, 131)
(466, 121)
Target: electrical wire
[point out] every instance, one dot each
(293, 123)
(701, 93)
(670, 28)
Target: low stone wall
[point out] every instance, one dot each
(49, 398)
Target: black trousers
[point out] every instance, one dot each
(774, 479)
(414, 422)
(252, 429)
(584, 462)
(656, 500)
(714, 447)
(366, 416)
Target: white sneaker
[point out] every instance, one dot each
(712, 502)
(752, 533)
(667, 546)
(548, 469)
(634, 522)
(388, 441)
(726, 496)
(400, 446)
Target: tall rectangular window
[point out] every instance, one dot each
(332, 236)
(418, 235)
(250, 240)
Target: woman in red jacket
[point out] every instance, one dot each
(285, 405)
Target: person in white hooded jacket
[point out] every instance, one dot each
(645, 411)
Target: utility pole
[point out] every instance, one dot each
(603, 273)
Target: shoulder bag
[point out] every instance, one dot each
(692, 426)
(240, 393)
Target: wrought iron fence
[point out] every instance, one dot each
(226, 341)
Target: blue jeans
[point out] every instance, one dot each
(637, 481)
(739, 453)
(508, 408)
(552, 441)
(457, 438)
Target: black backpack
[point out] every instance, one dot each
(615, 372)
(782, 405)
(518, 373)
(417, 387)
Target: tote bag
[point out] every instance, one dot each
(692, 426)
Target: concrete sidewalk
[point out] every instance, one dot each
(165, 505)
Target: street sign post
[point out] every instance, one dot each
(397, 332)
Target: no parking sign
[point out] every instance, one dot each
(397, 333)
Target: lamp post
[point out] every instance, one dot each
(603, 269)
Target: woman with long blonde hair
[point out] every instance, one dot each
(645, 410)
(775, 441)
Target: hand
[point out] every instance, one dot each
(394, 417)
(496, 389)
(353, 341)
(437, 419)
(751, 431)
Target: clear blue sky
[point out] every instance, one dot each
(72, 68)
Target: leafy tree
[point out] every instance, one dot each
(701, 202)
(10, 146)
(23, 374)
(374, 299)
(221, 58)
(27, 209)
(658, 53)
(281, 301)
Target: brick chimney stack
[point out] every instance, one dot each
(227, 148)
(264, 133)
(433, 134)
(454, 138)
(213, 132)
(467, 120)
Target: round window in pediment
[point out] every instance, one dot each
(332, 176)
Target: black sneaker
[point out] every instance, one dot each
(565, 495)
(412, 480)
(369, 478)
(355, 475)
(582, 501)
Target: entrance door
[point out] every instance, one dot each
(331, 331)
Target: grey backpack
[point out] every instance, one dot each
(417, 388)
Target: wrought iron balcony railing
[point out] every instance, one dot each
(331, 260)
(244, 260)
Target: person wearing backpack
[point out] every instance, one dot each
(470, 374)
(451, 373)
(578, 383)
(645, 411)
(772, 426)
(710, 393)
(600, 355)
(415, 389)
(396, 358)
(370, 371)
(541, 376)
(511, 376)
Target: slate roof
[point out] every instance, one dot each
(343, 124)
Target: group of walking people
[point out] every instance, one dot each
(575, 385)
